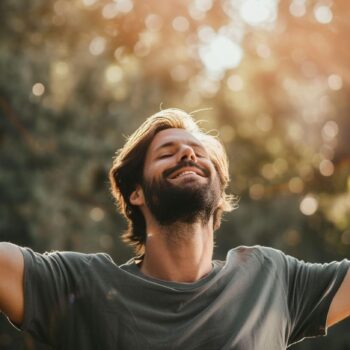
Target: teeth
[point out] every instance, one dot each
(184, 173)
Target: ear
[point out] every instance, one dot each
(137, 197)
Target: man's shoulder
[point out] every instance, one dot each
(262, 255)
(260, 251)
(67, 259)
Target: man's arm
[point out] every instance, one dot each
(11, 282)
(340, 306)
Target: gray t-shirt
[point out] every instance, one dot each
(259, 298)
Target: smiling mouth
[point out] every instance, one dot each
(187, 168)
(184, 173)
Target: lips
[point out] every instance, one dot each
(186, 171)
(186, 168)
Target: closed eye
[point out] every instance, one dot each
(201, 155)
(167, 155)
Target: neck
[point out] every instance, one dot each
(179, 252)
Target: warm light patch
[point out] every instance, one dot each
(38, 89)
(323, 14)
(220, 54)
(235, 82)
(97, 214)
(326, 167)
(297, 8)
(113, 74)
(181, 24)
(124, 6)
(335, 82)
(256, 191)
(263, 51)
(296, 185)
(227, 133)
(330, 130)
(89, 2)
(179, 72)
(257, 12)
(97, 46)
(203, 5)
(153, 22)
(61, 68)
(308, 205)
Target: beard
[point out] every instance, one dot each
(188, 202)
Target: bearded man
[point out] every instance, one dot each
(170, 181)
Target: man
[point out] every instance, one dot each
(170, 180)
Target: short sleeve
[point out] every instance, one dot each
(51, 280)
(310, 288)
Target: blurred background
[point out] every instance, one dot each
(78, 76)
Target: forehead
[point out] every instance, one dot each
(173, 137)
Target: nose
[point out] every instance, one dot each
(187, 153)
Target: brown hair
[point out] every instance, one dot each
(127, 169)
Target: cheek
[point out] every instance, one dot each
(216, 175)
(153, 171)
(210, 165)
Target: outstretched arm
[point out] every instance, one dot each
(11, 282)
(340, 306)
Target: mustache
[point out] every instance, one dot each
(184, 164)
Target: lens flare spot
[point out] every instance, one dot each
(308, 205)
(323, 14)
(258, 12)
(38, 89)
(220, 54)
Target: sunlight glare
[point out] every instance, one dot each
(97, 46)
(203, 5)
(89, 2)
(110, 11)
(114, 74)
(258, 12)
(335, 82)
(297, 8)
(220, 54)
(181, 24)
(323, 14)
(124, 6)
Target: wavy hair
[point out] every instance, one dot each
(127, 170)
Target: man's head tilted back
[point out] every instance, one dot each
(172, 169)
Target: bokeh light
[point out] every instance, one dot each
(335, 82)
(297, 8)
(38, 89)
(235, 82)
(220, 54)
(258, 12)
(330, 130)
(97, 214)
(323, 14)
(326, 167)
(296, 185)
(181, 24)
(114, 74)
(97, 45)
(309, 205)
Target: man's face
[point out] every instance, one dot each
(180, 182)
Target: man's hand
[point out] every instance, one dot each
(340, 306)
(11, 282)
